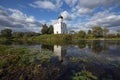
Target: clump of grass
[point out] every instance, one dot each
(84, 75)
(74, 59)
(3, 48)
(23, 56)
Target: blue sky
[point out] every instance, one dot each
(29, 15)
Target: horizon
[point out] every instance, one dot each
(28, 16)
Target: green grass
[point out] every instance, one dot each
(11, 55)
(55, 39)
(23, 63)
(84, 75)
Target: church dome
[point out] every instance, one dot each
(60, 17)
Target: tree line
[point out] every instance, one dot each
(95, 32)
(98, 32)
(8, 33)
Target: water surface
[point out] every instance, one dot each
(101, 58)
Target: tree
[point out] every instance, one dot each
(89, 32)
(6, 33)
(118, 33)
(81, 34)
(44, 29)
(111, 35)
(97, 31)
(18, 34)
(50, 29)
(105, 31)
(72, 32)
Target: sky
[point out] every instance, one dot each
(29, 15)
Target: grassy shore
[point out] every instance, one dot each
(63, 39)
(54, 39)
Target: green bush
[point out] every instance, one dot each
(84, 75)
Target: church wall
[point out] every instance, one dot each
(64, 28)
(57, 28)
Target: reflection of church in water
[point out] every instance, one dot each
(60, 51)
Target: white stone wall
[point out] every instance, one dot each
(60, 28)
(57, 28)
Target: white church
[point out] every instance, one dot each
(60, 27)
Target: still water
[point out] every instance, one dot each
(101, 58)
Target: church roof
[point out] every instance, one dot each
(60, 17)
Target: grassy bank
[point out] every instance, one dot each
(54, 39)
(63, 39)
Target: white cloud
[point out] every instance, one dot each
(83, 11)
(47, 4)
(103, 19)
(67, 16)
(44, 4)
(96, 3)
(90, 3)
(52, 22)
(87, 7)
(71, 2)
(18, 21)
(106, 19)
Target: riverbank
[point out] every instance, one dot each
(60, 38)
(53, 39)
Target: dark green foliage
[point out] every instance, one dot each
(105, 31)
(7, 33)
(50, 29)
(44, 29)
(82, 44)
(84, 75)
(81, 34)
(67, 37)
(24, 34)
(53, 39)
(97, 31)
(118, 33)
(72, 32)
(89, 32)
(17, 34)
(111, 35)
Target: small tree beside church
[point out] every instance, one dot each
(44, 29)
(50, 29)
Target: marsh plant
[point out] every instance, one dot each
(27, 64)
(84, 75)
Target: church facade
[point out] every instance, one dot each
(60, 27)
